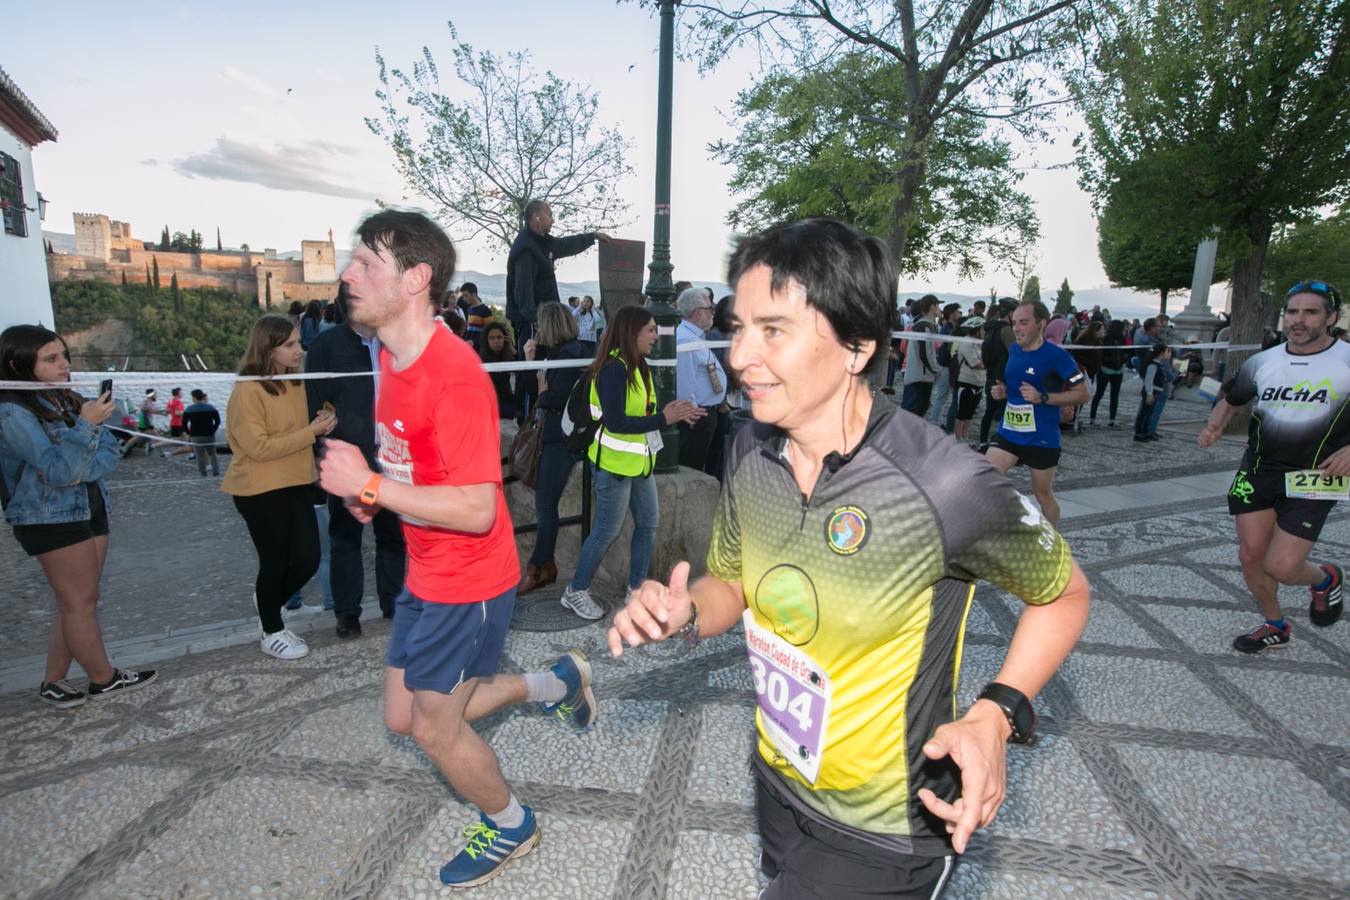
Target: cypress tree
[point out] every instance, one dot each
(218, 244)
(148, 282)
(177, 297)
(268, 288)
(164, 239)
(154, 261)
(124, 279)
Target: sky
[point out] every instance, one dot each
(250, 118)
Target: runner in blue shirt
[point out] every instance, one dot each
(1040, 377)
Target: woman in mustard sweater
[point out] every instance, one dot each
(272, 474)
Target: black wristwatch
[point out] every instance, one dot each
(1045, 399)
(1016, 706)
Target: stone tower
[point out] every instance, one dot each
(93, 236)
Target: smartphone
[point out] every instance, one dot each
(105, 389)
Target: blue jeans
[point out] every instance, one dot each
(937, 404)
(1146, 420)
(555, 467)
(614, 494)
(1159, 401)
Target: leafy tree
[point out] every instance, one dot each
(973, 58)
(1064, 298)
(244, 247)
(517, 138)
(831, 142)
(1031, 290)
(1312, 248)
(1240, 113)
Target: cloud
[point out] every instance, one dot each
(304, 167)
(250, 81)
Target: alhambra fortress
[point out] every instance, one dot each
(106, 251)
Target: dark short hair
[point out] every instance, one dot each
(951, 308)
(470, 287)
(927, 302)
(412, 239)
(1150, 323)
(848, 276)
(1038, 309)
(198, 394)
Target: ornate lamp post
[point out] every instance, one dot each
(660, 289)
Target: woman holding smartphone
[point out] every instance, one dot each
(272, 474)
(54, 454)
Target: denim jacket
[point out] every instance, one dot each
(46, 465)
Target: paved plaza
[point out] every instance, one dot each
(1169, 765)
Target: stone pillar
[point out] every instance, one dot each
(1196, 320)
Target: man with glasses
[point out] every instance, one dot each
(1297, 463)
(698, 377)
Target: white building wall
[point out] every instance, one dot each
(25, 296)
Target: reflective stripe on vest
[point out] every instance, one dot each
(624, 454)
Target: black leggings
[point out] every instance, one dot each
(1103, 379)
(286, 535)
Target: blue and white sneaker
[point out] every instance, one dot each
(489, 849)
(574, 671)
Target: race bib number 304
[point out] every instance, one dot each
(1311, 484)
(1020, 417)
(794, 697)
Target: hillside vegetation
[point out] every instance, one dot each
(163, 323)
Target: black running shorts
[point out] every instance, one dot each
(1264, 489)
(804, 858)
(1028, 455)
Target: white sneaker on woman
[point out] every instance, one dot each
(581, 603)
(284, 644)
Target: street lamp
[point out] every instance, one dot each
(660, 289)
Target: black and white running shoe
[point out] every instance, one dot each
(123, 680)
(61, 694)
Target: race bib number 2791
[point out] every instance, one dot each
(1312, 484)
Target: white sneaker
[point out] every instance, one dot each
(284, 644)
(581, 603)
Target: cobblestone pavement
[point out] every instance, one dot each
(1170, 766)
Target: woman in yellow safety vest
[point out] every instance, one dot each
(623, 453)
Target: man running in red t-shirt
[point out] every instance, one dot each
(440, 470)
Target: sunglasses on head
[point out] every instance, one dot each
(1320, 288)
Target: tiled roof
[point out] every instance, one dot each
(10, 93)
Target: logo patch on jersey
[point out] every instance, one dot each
(846, 530)
(786, 597)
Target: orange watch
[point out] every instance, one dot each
(370, 494)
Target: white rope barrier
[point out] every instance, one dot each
(157, 379)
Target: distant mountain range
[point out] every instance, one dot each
(492, 288)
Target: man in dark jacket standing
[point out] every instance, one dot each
(532, 282)
(346, 349)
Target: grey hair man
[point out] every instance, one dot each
(699, 376)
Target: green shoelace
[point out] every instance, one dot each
(480, 839)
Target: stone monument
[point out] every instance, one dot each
(1196, 320)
